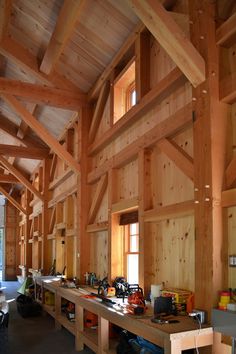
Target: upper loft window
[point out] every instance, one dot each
(124, 91)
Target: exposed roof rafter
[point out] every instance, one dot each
(20, 177)
(43, 94)
(11, 129)
(41, 131)
(66, 21)
(171, 38)
(226, 33)
(12, 200)
(24, 152)
(8, 178)
(15, 52)
(5, 12)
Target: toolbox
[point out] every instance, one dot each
(184, 299)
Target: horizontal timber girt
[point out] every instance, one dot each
(175, 123)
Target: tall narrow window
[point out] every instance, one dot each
(132, 253)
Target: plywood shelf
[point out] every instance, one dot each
(50, 310)
(90, 338)
(70, 326)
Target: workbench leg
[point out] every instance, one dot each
(103, 335)
(79, 325)
(172, 347)
(57, 312)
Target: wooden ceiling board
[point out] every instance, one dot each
(77, 70)
(40, 16)
(87, 55)
(32, 23)
(35, 46)
(54, 119)
(101, 23)
(12, 71)
(92, 43)
(123, 8)
(26, 165)
(7, 139)
(6, 111)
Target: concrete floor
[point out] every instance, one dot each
(35, 335)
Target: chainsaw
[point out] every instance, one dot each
(136, 303)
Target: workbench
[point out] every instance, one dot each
(173, 337)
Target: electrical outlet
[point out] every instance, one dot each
(200, 314)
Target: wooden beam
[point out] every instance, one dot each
(8, 178)
(226, 33)
(97, 227)
(225, 8)
(69, 15)
(12, 200)
(83, 246)
(11, 129)
(60, 179)
(41, 132)
(171, 126)
(93, 93)
(163, 89)
(124, 205)
(230, 173)
(62, 196)
(43, 95)
(24, 152)
(100, 190)
(53, 167)
(5, 13)
(20, 177)
(28, 63)
(70, 138)
(209, 138)
(228, 89)
(24, 128)
(11, 160)
(52, 220)
(178, 156)
(99, 109)
(142, 65)
(172, 211)
(171, 38)
(228, 198)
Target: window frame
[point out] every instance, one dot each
(128, 235)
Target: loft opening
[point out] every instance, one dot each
(124, 91)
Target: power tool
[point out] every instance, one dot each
(136, 303)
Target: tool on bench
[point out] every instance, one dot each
(105, 300)
(136, 303)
